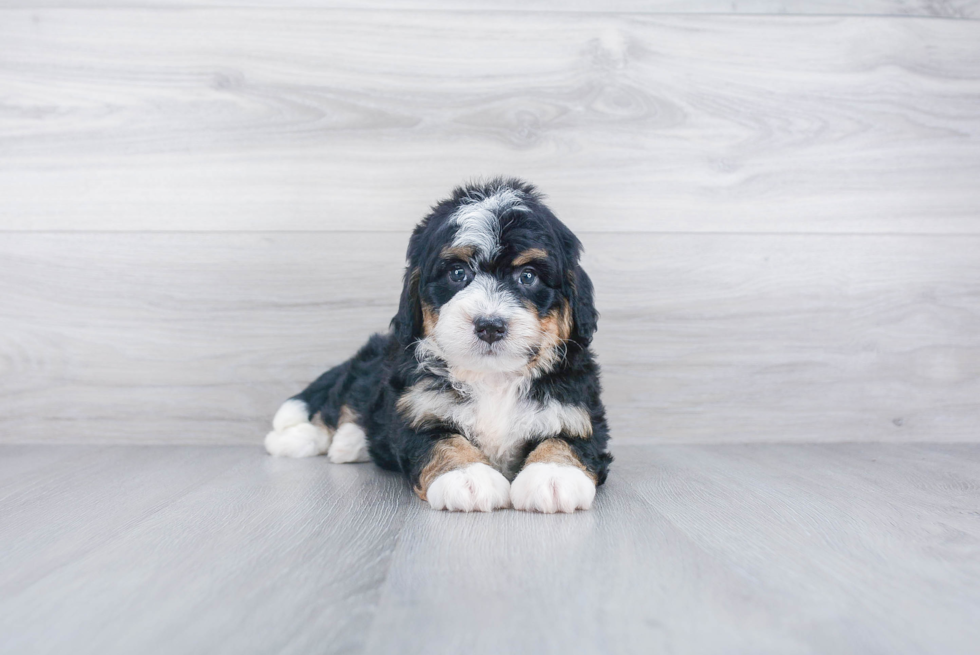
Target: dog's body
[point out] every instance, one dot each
(486, 375)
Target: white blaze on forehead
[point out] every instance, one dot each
(478, 219)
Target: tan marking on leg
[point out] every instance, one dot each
(429, 319)
(529, 255)
(557, 451)
(317, 420)
(347, 415)
(448, 455)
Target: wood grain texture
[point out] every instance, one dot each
(194, 550)
(322, 120)
(762, 549)
(197, 338)
(842, 548)
(930, 8)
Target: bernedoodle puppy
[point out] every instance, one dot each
(484, 392)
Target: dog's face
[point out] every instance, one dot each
(493, 283)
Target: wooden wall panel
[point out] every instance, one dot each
(196, 338)
(321, 120)
(782, 212)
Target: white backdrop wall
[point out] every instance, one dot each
(203, 207)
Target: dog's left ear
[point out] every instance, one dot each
(585, 318)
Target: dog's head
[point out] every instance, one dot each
(493, 282)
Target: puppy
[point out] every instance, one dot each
(484, 392)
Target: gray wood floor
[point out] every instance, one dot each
(863, 548)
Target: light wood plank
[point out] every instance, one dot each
(842, 548)
(128, 335)
(809, 523)
(197, 338)
(768, 549)
(90, 497)
(739, 339)
(325, 120)
(196, 550)
(930, 8)
(20, 463)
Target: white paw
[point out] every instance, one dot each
(349, 445)
(477, 487)
(290, 413)
(550, 488)
(293, 435)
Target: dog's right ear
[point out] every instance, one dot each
(407, 323)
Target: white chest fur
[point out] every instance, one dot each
(494, 412)
(497, 417)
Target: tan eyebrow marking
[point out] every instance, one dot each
(530, 255)
(458, 252)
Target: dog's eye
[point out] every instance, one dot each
(527, 277)
(457, 273)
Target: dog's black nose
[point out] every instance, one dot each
(490, 329)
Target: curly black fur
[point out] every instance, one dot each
(374, 379)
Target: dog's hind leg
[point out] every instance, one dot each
(305, 424)
(349, 441)
(294, 434)
(356, 384)
(323, 419)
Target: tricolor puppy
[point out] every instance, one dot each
(484, 393)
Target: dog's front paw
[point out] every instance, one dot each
(477, 487)
(550, 488)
